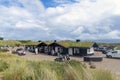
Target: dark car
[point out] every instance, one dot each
(104, 51)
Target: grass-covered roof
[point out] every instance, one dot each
(48, 42)
(75, 44)
(45, 43)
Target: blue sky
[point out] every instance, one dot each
(60, 19)
(55, 3)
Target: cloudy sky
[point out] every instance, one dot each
(60, 19)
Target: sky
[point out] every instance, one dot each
(60, 19)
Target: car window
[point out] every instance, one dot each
(114, 52)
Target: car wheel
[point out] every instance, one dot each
(107, 56)
(110, 56)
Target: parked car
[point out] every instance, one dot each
(103, 50)
(20, 51)
(113, 54)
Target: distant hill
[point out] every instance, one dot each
(105, 40)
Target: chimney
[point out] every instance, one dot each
(55, 41)
(39, 41)
(1, 38)
(77, 40)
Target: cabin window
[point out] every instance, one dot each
(88, 51)
(46, 49)
(61, 50)
(76, 50)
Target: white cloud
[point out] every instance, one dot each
(84, 19)
(115, 34)
(34, 6)
(78, 31)
(89, 14)
(15, 19)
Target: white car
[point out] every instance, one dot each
(113, 54)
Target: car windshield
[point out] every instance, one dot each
(114, 52)
(19, 49)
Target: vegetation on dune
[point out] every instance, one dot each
(15, 68)
(14, 43)
(103, 75)
(9, 43)
(118, 47)
(28, 42)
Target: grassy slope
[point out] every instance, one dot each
(111, 44)
(15, 68)
(9, 43)
(28, 42)
(17, 42)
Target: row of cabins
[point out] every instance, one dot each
(66, 47)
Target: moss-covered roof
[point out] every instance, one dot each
(48, 42)
(9, 43)
(75, 44)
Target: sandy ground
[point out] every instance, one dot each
(42, 56)
(112, 65)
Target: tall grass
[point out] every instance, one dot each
(16, 68)
(103, 75)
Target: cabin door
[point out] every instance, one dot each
(56, 49)
(70, 51)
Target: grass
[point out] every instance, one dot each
(14, 43)
(15, 68)
(3, 50)
(9, 43)
(118, 47)
(103, 75)
(28, 42)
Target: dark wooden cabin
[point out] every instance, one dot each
(30, 46)
(72, 48)
(43, 47)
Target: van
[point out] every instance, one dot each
(113, 54)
